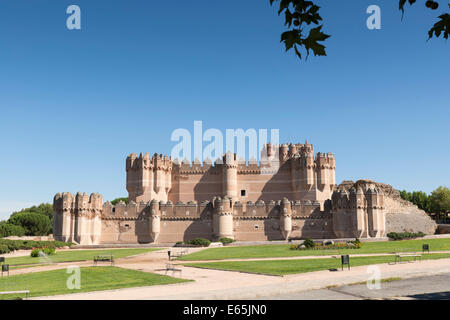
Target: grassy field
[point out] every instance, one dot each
(75, 255)
(54, 282)
(284, 267)
(275, 251)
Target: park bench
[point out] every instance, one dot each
(400, 255)
(171, 267)
(16, 292)
(177, 254)
(107, 258)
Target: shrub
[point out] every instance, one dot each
(226, 240)
(4, 249)
(404, 235)
(201, 242)
(179, 242)
(8, 229)
(29, 244)
(49, 250)
(309, 243)
(355, 244)
(34, 224)
(36, 252)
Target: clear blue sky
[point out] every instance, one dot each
(75, 103)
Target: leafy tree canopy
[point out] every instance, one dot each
(440, 200)
(303, 21)
(8, 229)
(34, 224)
(437, 202)
(43, 208)
(117, 200)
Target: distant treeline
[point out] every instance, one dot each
(437, 202)
(33, 221)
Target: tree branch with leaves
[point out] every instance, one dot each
(302, 15)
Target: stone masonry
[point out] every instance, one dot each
(290, 194)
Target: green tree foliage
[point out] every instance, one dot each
(440, 27)
(117, 200)
(439, 200)
(419, 198)
(8, 229)
(299, 14)
(34, 224)
(43, 208)
(302, 15)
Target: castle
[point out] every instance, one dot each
(290, 194)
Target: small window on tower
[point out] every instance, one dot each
(242, 193)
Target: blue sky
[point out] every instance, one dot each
(75, 103)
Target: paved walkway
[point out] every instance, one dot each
(301, 257)
(431, 287)
(217, 284)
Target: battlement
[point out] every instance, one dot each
(77, 218)
(293, 168)
(357, 198)
(156, 162)
(78, 203)
(359, 209)
(192, 210)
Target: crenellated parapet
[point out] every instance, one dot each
(358, 212)
(77, 218)
(148, 178)
(291, 170)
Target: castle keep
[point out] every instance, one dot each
(290, 193)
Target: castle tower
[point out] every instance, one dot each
(155, 220)
(309, 171)
(162, 183)
(342, 219)
(286, 218)
(322, 170)
(223, 218)
(332, 170)
(96, 202)
(77, 219)
(357, 201)
(81, 231)
(62, 218)
(292, 150)
(284, 153)
(375, 213)
(230, 165)
(147, 178)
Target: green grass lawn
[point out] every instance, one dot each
(54, 282)
(75, 255)
(284, 267)
(275, 251)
